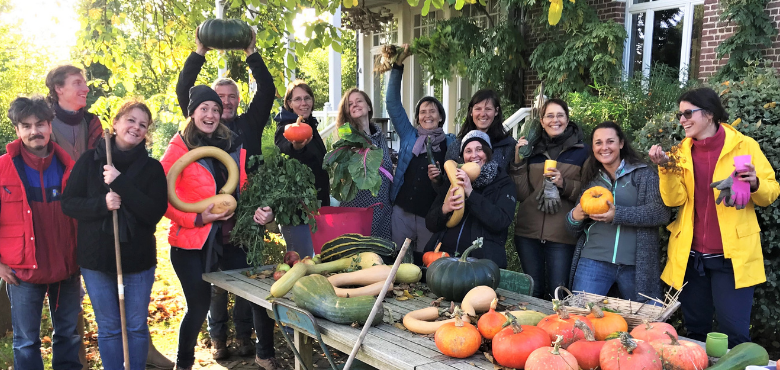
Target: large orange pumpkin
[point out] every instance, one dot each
(551, 359)
(626, 353)
(605, 323)
(299, 131)
(562, 323)
(586, 351)
(513, 344)
(680, 355)
(594, 200)
(650, 331)
(457, 339)
(491, 322)
(429, 257)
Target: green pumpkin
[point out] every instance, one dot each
(452, 277)
(225, 34)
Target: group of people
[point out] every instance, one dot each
(59, 194)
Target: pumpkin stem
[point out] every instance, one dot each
(458, 316)
(596, 311)
(476, 245)
(512, 320)
(493, 304)
(628, 343)
(437, 248)
(579, 324)
(675, 342)
(557, 344)
(560, 309)
(647, 325)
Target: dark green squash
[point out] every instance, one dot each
(452, 277)
(224, 34)
(742, 356)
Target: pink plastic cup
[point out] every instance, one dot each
(741, 161)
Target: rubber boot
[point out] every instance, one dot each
(156, 359)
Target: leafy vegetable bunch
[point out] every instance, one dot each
(285, 185)
(353, 164)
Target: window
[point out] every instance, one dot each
(476, 13)
(422, 85)
(666, 32)
(388, 36)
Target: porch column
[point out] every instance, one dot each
(334, 67)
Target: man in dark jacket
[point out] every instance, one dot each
(38, 249)
(249, 126)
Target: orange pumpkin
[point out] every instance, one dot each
(651, 331)
(586, 351)
(299, 131)
(551, 359)
(429, 257)
(491, 322)
(562, 323)
(513, 344)
(594, 200)
(629, 353)
(605, 323)
(457, 339)
(681, 355)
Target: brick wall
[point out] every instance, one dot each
(715, 31)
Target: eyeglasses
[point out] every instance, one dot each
(688, 113)
(559, 116)
(298, 100)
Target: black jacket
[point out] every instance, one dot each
(311, 155)
(491, 210)
(144, 198)
(248, 125)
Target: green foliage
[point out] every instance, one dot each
(313, 68)
(353, 164)
(754, 32)
(285, 185)
(444, 52)
(750, 97)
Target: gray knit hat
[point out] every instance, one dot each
(475, 135)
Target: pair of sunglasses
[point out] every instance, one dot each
(687, 113)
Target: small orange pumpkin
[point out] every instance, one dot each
(605, 323)
(458, 339)
(594, 200)
(429, 257)
(299, 131)
(491, 322)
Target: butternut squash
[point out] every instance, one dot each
(223, 201)
(419, 321)
(472, 171)
(407, 273)
(369, 290)
(478, 300)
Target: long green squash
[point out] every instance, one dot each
(350, 244)
(315, 294)
(742, 356)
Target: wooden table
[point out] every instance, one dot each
(385, 346)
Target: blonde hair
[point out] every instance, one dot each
(344, 117)
(190, 134)
(126, 108)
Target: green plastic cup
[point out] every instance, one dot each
(717, 344)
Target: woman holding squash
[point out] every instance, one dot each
(138, 193)
(356, 110)
(611, 243)
(546, 194)
(309, 149)
(715, 242)
(485, 115)
(200, 241)
(413, 192)
(487, 205)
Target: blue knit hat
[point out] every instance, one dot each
(475, 135)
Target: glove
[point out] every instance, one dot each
(549, 198)
(725, 191)
(733, 192)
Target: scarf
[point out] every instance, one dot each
(69, 117)
(554, 145)
(437, 137)
(134, 160)
(486, 175)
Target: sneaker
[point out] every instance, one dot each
(219, 350)
(245, 346)
(270, 363)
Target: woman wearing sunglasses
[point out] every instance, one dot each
(715, 245)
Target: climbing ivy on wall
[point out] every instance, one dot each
(753, 32)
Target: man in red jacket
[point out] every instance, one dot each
(37, 241)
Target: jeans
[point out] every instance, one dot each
(188, 265)
(598, 276)
(102, 288)
(710, 291)
(232, 258)
(549, 264)
(64, 307)
(298, 239)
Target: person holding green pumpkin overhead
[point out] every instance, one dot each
(486, 205)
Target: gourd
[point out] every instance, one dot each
(407, 273)
(562, 323)
(419, 321)
(594, 200)
(681, 355)
(223, 201)
(528, 317)
(225, 34)
(351, 244)
(452, 278)
(457, 339)
(491, 322)
(478, 300)
(556, 358)
(451, 168)
(429, 257)
(363, 260)
(587, 350)
(627, 353)
(315, 294)
(287, 281)
(741, 356)
(513, 344)
(605, 323)
(650, 331)
(299, 131)
(368, 290)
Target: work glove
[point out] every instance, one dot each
(549, 198)
(733, 192)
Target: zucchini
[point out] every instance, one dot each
(741, 356)
(351, 244)
(285, 283)
(362, 261)
(315, 294)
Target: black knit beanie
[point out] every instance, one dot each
(200, 94)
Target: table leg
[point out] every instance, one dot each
(304, 346)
